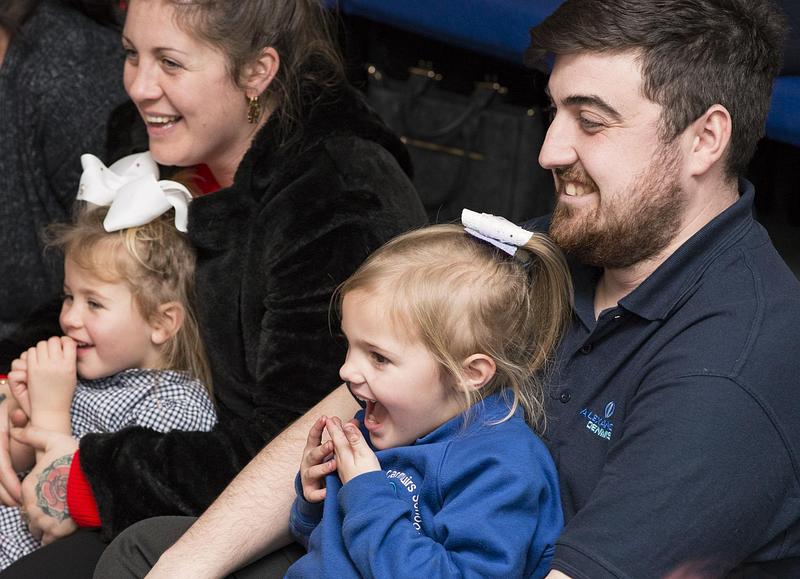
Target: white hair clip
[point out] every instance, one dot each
(496, 230)
(131, 189)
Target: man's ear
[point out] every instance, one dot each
(258, 75)
(166, 322)
(710, 138)
(478, 370)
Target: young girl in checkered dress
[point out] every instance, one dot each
(130, 355)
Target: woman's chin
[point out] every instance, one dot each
(171, 153)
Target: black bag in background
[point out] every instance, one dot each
(468, 151)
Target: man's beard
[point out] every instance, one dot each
(635, 228)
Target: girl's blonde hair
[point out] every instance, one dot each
(462, 296)
(155, 260)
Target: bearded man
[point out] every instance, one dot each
(674, 406)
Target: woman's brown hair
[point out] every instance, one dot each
(300, 31)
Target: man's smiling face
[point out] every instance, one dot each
(619, 198)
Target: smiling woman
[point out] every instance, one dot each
(311, 182)
(185, 93)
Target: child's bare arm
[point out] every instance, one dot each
(18, 384)
(52, 378)
(23, 457)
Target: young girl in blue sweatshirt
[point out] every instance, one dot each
(440, 475)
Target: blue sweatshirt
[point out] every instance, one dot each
(479, 500)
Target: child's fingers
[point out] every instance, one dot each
(354, 436)
(20, 364)
(9, 479)
(362, 453)
(364, 459)
(69, 348)
(16, 380)
(312, 480)
(318, 454)
(54, 348)
(340, 442)
(333, 423)
(18, 388)
(318, 472)
(18, 418)
(5, 497)
(24, 405)
(10, 488)
(32, 436)
(9, 483)
(30, 358)
(315, 496)
(42, 352)
(315, 432)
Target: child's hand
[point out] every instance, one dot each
(9, 481)
(52, 376)
(316, 464)
(18, 385)
(353, 454)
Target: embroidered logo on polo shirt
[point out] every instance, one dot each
(600, 425)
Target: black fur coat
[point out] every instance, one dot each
(296, 222)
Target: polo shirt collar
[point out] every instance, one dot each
(660, 292)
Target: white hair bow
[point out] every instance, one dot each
(132, 190)
(498, 231)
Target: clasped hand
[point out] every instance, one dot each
(42, 380)
(41, 387)
(346, 451)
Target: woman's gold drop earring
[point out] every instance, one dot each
(253, 110)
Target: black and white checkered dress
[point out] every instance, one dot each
(163, 400)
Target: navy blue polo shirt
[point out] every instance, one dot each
(674, 418)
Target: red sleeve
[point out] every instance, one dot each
(80, 499)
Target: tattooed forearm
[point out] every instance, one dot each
(51, 490)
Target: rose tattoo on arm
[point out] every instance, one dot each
(51, 489)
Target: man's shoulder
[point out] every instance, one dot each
(749, 279)
(742, 301)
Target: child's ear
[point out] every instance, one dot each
(166, 322)
(478, 370)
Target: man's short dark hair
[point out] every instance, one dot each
(693, 54)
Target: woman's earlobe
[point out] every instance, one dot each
(478, 370)
(167, 321)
